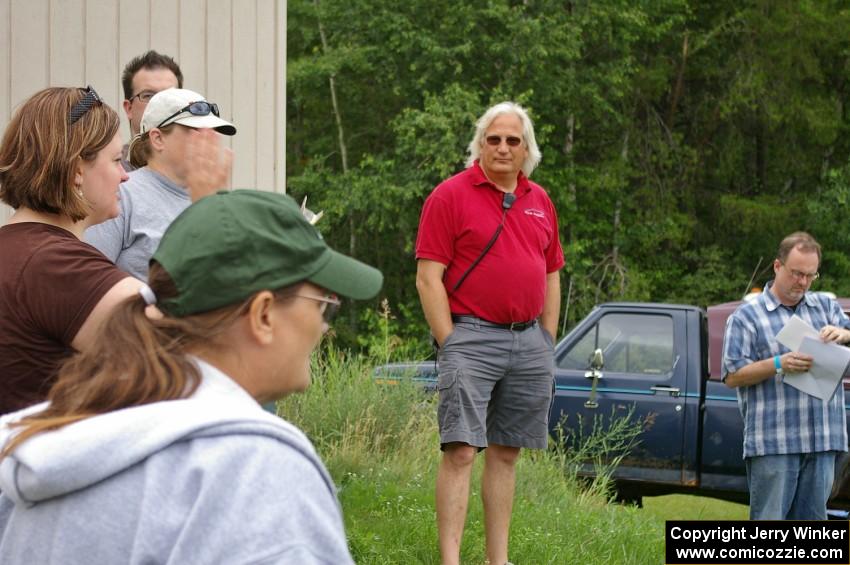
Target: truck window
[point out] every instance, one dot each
(630, 343)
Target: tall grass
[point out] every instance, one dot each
(355, 420)
(381, 445)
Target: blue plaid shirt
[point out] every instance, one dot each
(778, 418)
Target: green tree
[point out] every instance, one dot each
(681, 140)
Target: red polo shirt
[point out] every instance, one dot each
(459, 218)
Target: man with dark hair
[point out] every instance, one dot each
(489, 256)
(790, 438)
(143, 77)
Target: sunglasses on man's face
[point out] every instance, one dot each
(496, 140)
(200, 108)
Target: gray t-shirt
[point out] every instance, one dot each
(149, 203)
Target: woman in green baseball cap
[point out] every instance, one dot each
(156, 435)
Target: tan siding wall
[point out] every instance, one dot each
(5, 65)
(232, 51)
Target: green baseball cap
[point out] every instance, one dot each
(228, 246)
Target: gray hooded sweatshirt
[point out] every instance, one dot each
(208, 479)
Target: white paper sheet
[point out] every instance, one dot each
(828, 367)
(830, 359)
(791, 336)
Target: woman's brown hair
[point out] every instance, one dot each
(140, 150)
(41, 149)
(136, 359)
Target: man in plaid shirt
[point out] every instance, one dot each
(790, 438)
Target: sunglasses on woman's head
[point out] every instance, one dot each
(84, 105)
(200, 108)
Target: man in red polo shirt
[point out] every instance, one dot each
(488, 256)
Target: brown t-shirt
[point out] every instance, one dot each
(50, 281)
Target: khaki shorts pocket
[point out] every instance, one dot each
(448, 408)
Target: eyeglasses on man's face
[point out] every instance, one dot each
(800, 275)
(143, 96)
(329, 305)
(496, 140)
(200, 108)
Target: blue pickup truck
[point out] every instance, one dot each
(660, 363)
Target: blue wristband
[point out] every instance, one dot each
(777, 363)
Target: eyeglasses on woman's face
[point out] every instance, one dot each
(329, 305)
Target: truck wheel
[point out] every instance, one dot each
(629, 500)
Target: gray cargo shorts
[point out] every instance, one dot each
(496, 386)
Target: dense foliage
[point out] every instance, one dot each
(681, 139)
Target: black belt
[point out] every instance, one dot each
(513, 326)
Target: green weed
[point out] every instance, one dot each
(381, 445)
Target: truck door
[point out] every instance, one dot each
(644, 372)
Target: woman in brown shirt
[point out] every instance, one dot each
(60, 167)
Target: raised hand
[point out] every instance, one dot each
(208, 164)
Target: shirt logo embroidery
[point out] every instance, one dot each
(535, 212)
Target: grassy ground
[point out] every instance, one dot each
(380, 444)
(685, 507)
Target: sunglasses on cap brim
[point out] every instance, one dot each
(200, 108)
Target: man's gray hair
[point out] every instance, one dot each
(533, 158)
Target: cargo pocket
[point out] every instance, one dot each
(448, 409)
(551, 402)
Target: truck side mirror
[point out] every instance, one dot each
(597, 361)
